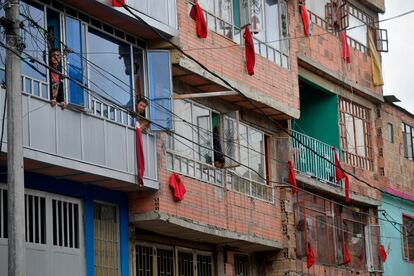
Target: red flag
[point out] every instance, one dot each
(347, 256)
(197, 14)
(310, 256)
(177, 187)
(140, 156)
(118, 3)
(249, 51)
(383, 253)
(340, 174)
(346, 54)
(305, 19)
(292, 178)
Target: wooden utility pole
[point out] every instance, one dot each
(15, 173)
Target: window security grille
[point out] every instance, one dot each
(241, 265)
(65, 223)
(106, 239)
(158, 260)
(35, 214)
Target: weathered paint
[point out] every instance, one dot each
(391, 237)
(319, 114)
(89, 194)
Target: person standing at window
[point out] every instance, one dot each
(140, 108)
(56, 80)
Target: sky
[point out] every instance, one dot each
(398, 63)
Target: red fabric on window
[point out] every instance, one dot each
(249, 51)
(305, 19)
(197, 14)
(177, 187)
(118, 3)
(347, 256)
(383, 253)
(346, 54)
(310, 256)
(340, 174)
(292, 178)
(140, 156)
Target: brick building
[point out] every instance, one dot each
(238, 215)
(243, 220)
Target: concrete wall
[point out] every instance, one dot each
(391, 237)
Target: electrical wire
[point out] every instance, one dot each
(248, 168)
(127, 7)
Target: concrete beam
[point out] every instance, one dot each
(327, 78)
(250, 92)
(338, 191)
(183, 227)
(204, 95)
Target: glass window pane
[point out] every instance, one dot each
(359, 129)
(244, 154)
(202, 133)
(350, 135)
(272, 24)
(357, 30)
(160, 90)
(182, 146)
(256, 154)
(35, 42)
(75, 41)
(110, 76)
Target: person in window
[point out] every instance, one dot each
(218, 153)
(140, 108)
(56, 80)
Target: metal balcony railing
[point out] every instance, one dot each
(308, 162)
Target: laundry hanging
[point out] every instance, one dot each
(177, 187)
(346, 53)
(292, 178)
(340, 174)
(197, 14)
(305, 19)
(140, 156)
(383, 253)
(377, 79)
(249, 51)
(118, 3)
(310, 256)
(347, 256)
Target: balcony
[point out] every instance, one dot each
(87, 146)
(308, 162)
(161, 15)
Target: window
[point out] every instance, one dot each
(268, 19)
(35, 217)
(160, 89)
(160, 260)
(408, 237)
(355, 135)
(241, 265)
(408, 135)
(106, 239)
(328, 227)
(76, 69)
(65, 216)
(390, 133)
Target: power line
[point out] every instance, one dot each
(127, 7)
(210, 149)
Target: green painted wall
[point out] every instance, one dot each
(318, 114)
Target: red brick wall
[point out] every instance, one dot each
(325, 49)
(274, 81)
(398, 169)
(205, 203)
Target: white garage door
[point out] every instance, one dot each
(54, 234)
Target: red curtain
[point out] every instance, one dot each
(305, 19)
(340, 174)
(346, 54)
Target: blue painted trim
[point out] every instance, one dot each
(89, 194)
